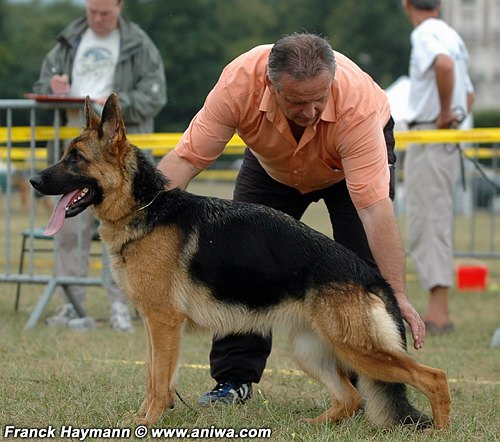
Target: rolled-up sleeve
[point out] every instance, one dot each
(364, 160)
(211, 128)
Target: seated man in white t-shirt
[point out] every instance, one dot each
(112, 55)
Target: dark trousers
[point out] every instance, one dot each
(243, 357)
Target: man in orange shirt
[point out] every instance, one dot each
(316, 127)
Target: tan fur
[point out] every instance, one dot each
(362, 341)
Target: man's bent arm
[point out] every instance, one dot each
(387, 248)
(179, 171)
(445, 81)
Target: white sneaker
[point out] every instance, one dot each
(120, 317)
(63, 315)
(85, 323)
(495, 339)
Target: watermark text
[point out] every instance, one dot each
(139, 432)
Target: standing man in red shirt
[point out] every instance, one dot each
(316, 127)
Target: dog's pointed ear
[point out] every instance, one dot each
(112, 125)
(91, 118)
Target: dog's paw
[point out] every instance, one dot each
(149, 418)
(127, 419)
(143, 420)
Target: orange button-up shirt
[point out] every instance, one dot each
(346, 143)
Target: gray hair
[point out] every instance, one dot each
(302, 56)
(428, 5)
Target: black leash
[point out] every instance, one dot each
(462, 166)
(477, 166)
(184, 402)
(461, 115)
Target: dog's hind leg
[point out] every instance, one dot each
(387, 403)
(315, 357)
(165, 336)
(394, 367)
(366, 338)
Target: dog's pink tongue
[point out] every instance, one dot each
(57, 219)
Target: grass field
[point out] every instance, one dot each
(58, 377)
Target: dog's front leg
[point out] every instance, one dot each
(164, 341)
(143, 409)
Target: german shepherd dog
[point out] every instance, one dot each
(230, 267)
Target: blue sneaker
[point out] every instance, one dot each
(227, 393)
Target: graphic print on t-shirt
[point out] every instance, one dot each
(94, 65)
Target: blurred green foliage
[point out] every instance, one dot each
(197, 38)
(487, 118)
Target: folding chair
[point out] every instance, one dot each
(37, 234)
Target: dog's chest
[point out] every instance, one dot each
(147, 264)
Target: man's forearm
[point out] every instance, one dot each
(445, 81)
(179, 171)
(387, 248)
(386, 244)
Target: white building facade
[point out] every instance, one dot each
(478, 22)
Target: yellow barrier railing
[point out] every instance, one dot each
(158, 143)
(479, 135)
(161, 143)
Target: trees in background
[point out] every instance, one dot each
(4, 52)
(29, 31)
(197, 38)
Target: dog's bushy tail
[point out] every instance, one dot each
(387, 404)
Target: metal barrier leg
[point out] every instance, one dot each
(21, 265)
(42, 303)
(44, 300)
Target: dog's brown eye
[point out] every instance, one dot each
(77, 156)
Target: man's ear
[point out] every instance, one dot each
(270, 84)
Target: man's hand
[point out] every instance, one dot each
(60, 84)
(415, 322)
(447, 120)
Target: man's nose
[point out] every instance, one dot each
(309, 110)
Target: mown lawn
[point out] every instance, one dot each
(96, 379)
